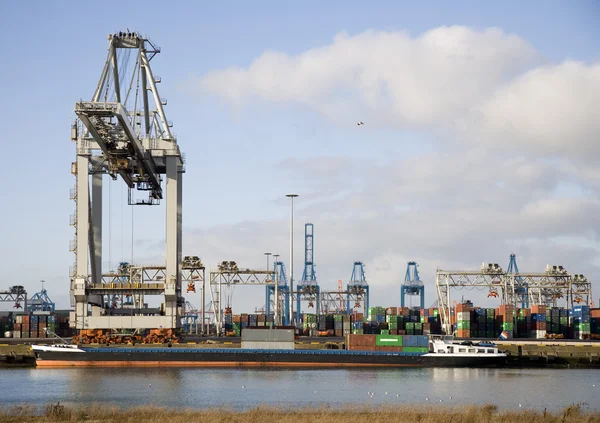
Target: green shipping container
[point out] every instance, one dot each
(508, 326)
(463, 324)
(388, 340)
(415, 349)
(385, 332)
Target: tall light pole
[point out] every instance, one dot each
(276, 290)
(267, 254)
(292, 196)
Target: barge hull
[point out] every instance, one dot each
(247, 358)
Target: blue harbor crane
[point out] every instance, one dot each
(283, 290)
(357, 291)
(521, 288)
(412, 284)
(40, 301)
(308, 289)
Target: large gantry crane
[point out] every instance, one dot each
(412, 285)
(283, 293)
(227, 276)
(123, 132)
(308, 288)
(553, 287)
(357, 293)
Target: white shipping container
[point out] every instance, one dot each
(463, 316)
(538, 334)
(268, 335)
(267, 345)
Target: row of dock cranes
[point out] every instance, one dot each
(122, 133)
(308, 297)
(554, 287)
(17, 295)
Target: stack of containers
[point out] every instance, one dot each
(376, 315)
(6, 324)
(463, 320)
(403, 319)
(538, 321)
(581, 322)
(478, 323)
(505, 317)
(595, 322)
(252, 320)
(357, 327)
(523, 323)
(490, 323)
(26, 326)
(228, 318)
(237, 325)
(564, 322)
(424, 315)
(389, 343)
(392, 321)
(557, 321)
(346, 325)
(311, 323)
(260, 320)
(244, 319)
(338, 324)
(435, 324)
(33, 327)
(415, 344)
(270, 320)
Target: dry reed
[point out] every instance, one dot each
(406, 414)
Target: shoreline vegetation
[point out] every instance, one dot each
(98, 413)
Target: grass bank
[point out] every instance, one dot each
(471, 414)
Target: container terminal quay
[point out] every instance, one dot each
(122, 133)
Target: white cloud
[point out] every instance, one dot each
(552, 110)
(389, 77)
(485, 87)
(521, 131)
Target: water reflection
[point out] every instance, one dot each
(197, 388)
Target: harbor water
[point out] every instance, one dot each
(241, 389)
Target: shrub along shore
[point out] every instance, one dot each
(407, 414)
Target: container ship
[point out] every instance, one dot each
(275, 348)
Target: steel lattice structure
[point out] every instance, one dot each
(357, 290)
(123, 132)
(308, 289)
(283, 292)
(554, 287)
(228, 275)
(15, 294)
(412, 284)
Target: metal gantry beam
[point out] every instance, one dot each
(412, 286)
(15, 294)
(490, 278)
(357, 290)
(124, 132)
(227, 276)
(553, 287)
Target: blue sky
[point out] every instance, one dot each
(238, 159)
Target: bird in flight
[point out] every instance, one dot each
(359, 123)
